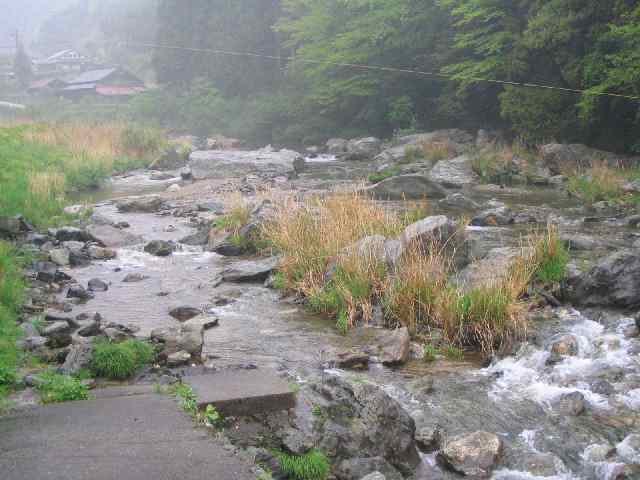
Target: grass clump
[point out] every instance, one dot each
(494, 165)
(12, 288)
(603, 183)
(552, 257)
(120, 361)
(436, 151)
(56, 388)
(384, 174)
(314, 465)
(429, 353)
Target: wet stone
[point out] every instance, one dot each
(429, 439)
(473, 455)
(562, 346)
(571, 404)
(178, 359)
(159, 248)
(134, 278)
(97, 285)
(79, 292)
(184, 313)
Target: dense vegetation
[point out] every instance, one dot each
(586, 45)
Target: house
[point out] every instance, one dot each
(62, 62)
(106, 82)
(46, 86)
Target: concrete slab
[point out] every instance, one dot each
(138, 437)
(240, 393)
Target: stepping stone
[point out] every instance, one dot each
(243, 393)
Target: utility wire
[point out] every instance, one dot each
(380, 68)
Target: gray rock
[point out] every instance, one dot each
(429, 439)
(112, 237)
(184, 313)
(46, 272)
(134, 278)
(56, 328)
(369, 468)
(223, 164)
(168, 159)
(394, 347)
(393, 250)
(371, 247)
(455, 173)
(571, 404)
(391, 156)
(602, 387)
(363, 148)
(178, 359)
(159, 248)
(100, 253)
(458, 200)
(116, 335)
(93, 329)
(97, 285)
(79, 292)
(494, 217)
(73, 234)
(10, 227)
(161, 176)
(374, 476)
(60, 256)
(561, 158)
(34, 342)
(250, 270)
(458, 139)
(351, 360)
(490, 270)
(409, 187)
(78, 358)
(437, 229)
(362, 421)
(629, 449)
(211, 206)
(612, 282)
(146, 204)
(473, 455)
(337, 146)
(186, 174)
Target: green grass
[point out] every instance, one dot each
(430, 353)
(119, 361)
(384, 174)
(12, 287)
(311, 466)
(553, 260)
(56, 388)
(188, 399)
(452, 353)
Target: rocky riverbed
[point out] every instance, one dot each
(563, 405)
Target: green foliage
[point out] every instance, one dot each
(453, 353)
(56, 388)
(211, 416)
(119, 361)
(311, 466)
(144, 141)
(188, 399)
(554, 258)
(12, 288)
(430, 353)
(384, 174)
(280, 281)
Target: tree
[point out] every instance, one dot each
(22, 66)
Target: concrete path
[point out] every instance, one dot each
(240, 393)
(133, 437)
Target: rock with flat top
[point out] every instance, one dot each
(222, 164)
(394, 346)
(250, 270)
(473, 455)
(455, 173)
(147, 204)
(111, 237)
(407, 187)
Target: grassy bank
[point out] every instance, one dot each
(40, 163)
(11, 297)
(347, 283)
(603, 183)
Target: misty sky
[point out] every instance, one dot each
(26, 16)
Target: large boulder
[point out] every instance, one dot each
(112, 237)
(560, 158)
(363, 148)
(159, 248)
(409, 187)
(394, 347)
(613, 282)
(250, 270)
(222, 164)
(438, 229)
(494, 217)
(360, 420)
(458, 139)
(473, 455)
(78, 358)
(374, 468)
(337, 146)
(490, 270)
(391, 155)
(455, 173)
(146, 204)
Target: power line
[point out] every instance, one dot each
(442, 76)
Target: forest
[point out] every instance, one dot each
(586, 45)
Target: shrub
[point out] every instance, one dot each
(436, 151)
(494, 165)
(599, 183)
(430, 353)
(119, 361)
(55, 388)
(188, 399)
(311, 466)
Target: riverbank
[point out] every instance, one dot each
(178, 269)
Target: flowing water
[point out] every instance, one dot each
(514, 397)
